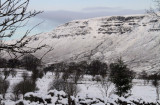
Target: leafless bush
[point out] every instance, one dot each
(23, 87)
(6, 73)
(69, 87)
(4, 85)
(13, 72)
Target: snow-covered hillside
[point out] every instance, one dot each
(135, 38)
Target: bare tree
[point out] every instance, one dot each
(143, 75)
(6, 73)
(154, 12)
(3, 62)
(25, 76)
(14, 14)
(13, 73)
(30, 62)
(66, 75)
(106, 87)
(16, 92)
(13, 63)
(4, 85)
(156, 8)
(155, 83)
(97, 67)
(72, 90)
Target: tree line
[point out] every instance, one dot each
(67, 75)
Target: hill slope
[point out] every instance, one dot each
(134, 38)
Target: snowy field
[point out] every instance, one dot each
(88, 88)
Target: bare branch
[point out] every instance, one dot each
(13, 15)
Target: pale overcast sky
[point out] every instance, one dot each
(79, 5)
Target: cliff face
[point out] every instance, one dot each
(135, 38)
